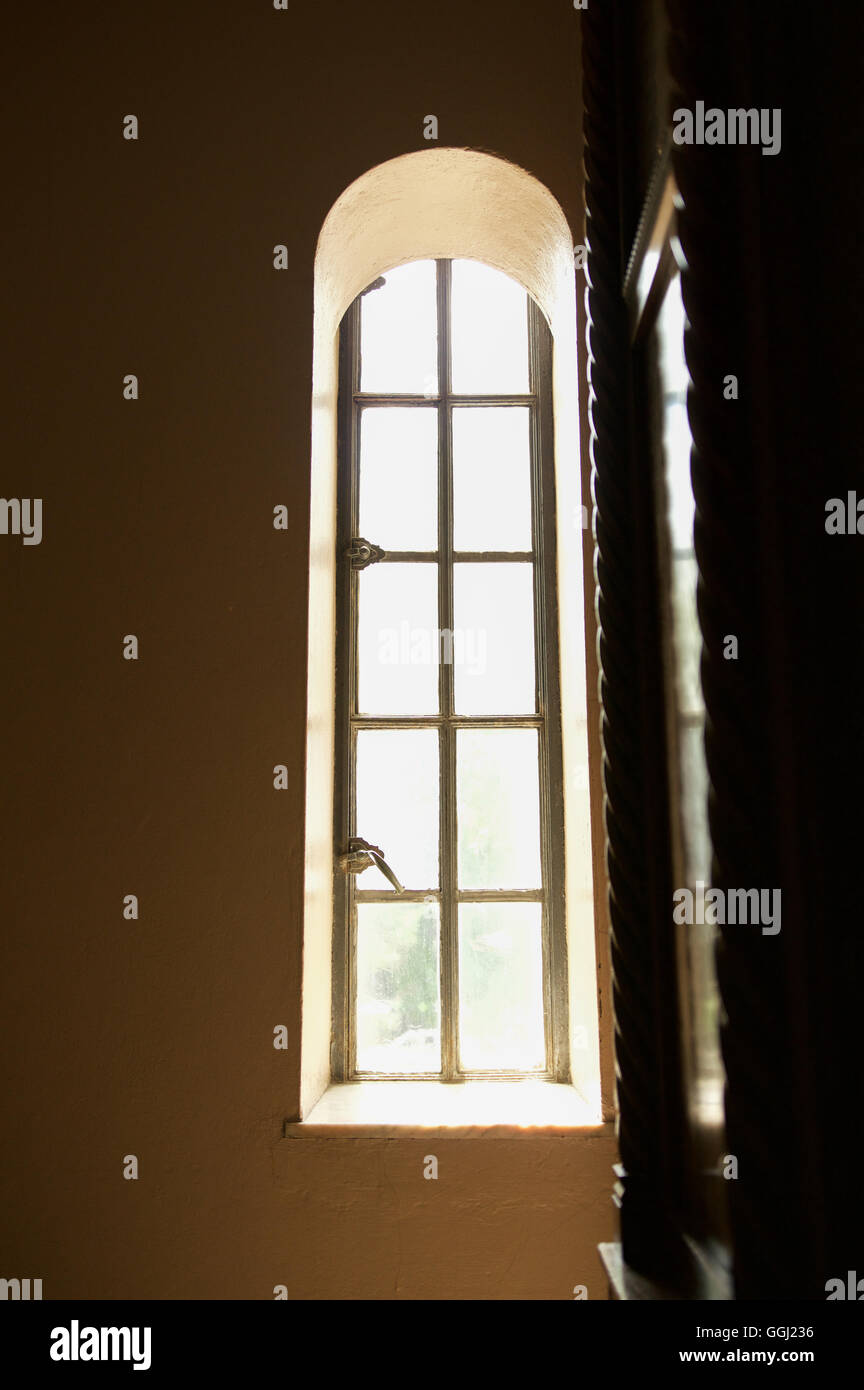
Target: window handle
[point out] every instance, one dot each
(363, 553)
(361, 855)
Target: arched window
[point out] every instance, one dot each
(474, 328)
(449, 950)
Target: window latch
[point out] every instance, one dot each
(361, 855)
(362, 553)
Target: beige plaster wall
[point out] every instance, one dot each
(154, 777)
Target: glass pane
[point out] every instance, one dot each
(398, 1009)
(489, 318)
(700, 981)
(693, 791)
(671, 323)
(397, 804)
(399, 333)
(676, 447)
(498, 808)
(399, 477)
(398, 641)
(491, 478)
(493, 638)
(686, 635)
(501, 987)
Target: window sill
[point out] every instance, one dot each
(401, 1109)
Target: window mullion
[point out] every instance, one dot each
(447, 750)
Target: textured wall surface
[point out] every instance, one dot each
(154, 777)
(506, 1218)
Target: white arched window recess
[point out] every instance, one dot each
(436, 205)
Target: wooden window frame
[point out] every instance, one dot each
(547, 720)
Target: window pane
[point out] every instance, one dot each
(498, 808)
(489, 332)
(399, 333)
(398, 1010)
(493, 638)
(686, 634)
(399, 477)
(398, 642)
(491, 478)
(700, 979)
(397, 804)
(693, 791)
(676, 446)
(501, 987)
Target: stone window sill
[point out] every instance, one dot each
(402, 1109)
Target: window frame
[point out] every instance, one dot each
(697, 991)
(347, 891)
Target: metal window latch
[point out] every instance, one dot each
(362, 553)
(361, 855)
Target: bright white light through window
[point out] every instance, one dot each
(444, 672)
